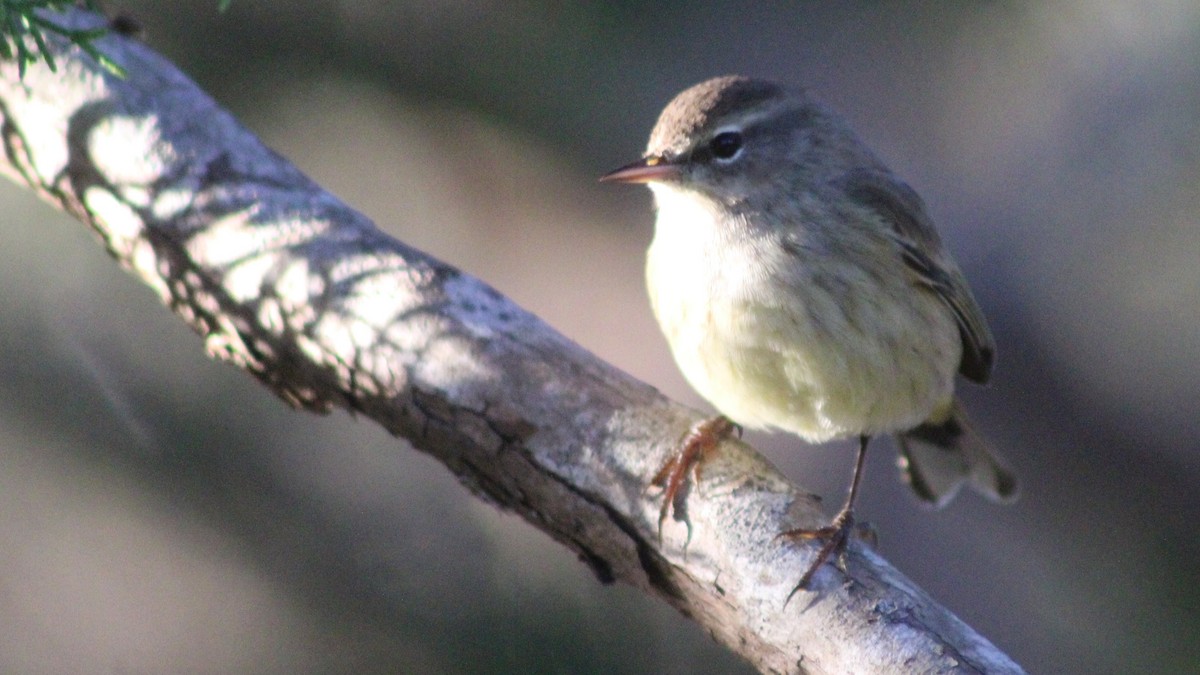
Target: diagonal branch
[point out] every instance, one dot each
(286, 282)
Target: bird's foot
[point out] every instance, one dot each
(688, 458)
(835, 535)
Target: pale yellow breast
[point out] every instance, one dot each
(758, 335)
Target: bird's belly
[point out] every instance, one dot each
(821, 366)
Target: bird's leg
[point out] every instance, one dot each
(837, 532)
(687, 459)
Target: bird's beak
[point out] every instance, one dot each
(647, 170)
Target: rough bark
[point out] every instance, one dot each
(286, 282)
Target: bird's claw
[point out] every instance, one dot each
(686, 462)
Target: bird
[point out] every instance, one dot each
(802, 287)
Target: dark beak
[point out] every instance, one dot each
(647, 170)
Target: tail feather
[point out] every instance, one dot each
(939, 456)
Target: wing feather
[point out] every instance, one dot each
(922, 251)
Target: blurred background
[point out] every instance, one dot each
(162, 513)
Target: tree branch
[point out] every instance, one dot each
(286, 282)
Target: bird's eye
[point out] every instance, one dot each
(726, 145)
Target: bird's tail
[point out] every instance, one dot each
(939, 456)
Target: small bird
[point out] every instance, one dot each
(802, 286)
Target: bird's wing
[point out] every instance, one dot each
(921, 248)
